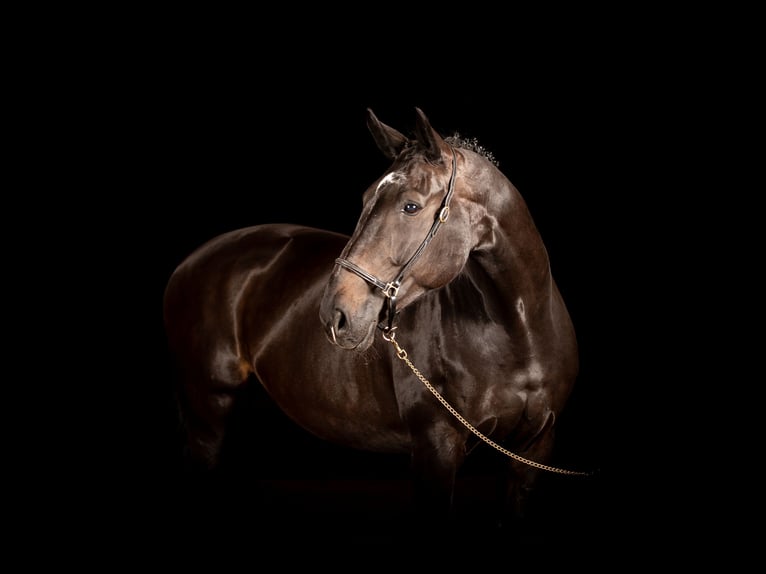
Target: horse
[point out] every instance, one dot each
(447, 265)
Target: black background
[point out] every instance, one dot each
(191, 134)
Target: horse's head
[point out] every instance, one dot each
(414, 235)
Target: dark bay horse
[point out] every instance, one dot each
(445, 281)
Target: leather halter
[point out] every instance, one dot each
(391, 289)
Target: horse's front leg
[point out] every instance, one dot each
(518, 482)
(437, 454)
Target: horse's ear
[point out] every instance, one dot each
(431, 141)
(388, 140)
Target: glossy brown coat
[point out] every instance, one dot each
(478, 313)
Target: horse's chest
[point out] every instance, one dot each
(489, 377)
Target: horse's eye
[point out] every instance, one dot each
(411, 208)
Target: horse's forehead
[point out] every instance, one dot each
(393, 177)
(413, 174)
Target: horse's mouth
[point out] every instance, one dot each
(349, 345)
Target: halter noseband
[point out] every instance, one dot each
(391, 289)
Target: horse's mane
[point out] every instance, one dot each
(473, 145)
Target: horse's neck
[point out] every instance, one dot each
(514, 259)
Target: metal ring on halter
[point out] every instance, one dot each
(392, 289)
(389, 334)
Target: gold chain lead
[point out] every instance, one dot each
(402, 354)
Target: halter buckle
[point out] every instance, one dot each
(391, 290)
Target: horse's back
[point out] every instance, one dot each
(251, 272)
(251, 248)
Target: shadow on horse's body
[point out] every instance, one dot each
(474, 307)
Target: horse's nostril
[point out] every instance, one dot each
(340, 320)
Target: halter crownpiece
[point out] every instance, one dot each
(391, 289)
